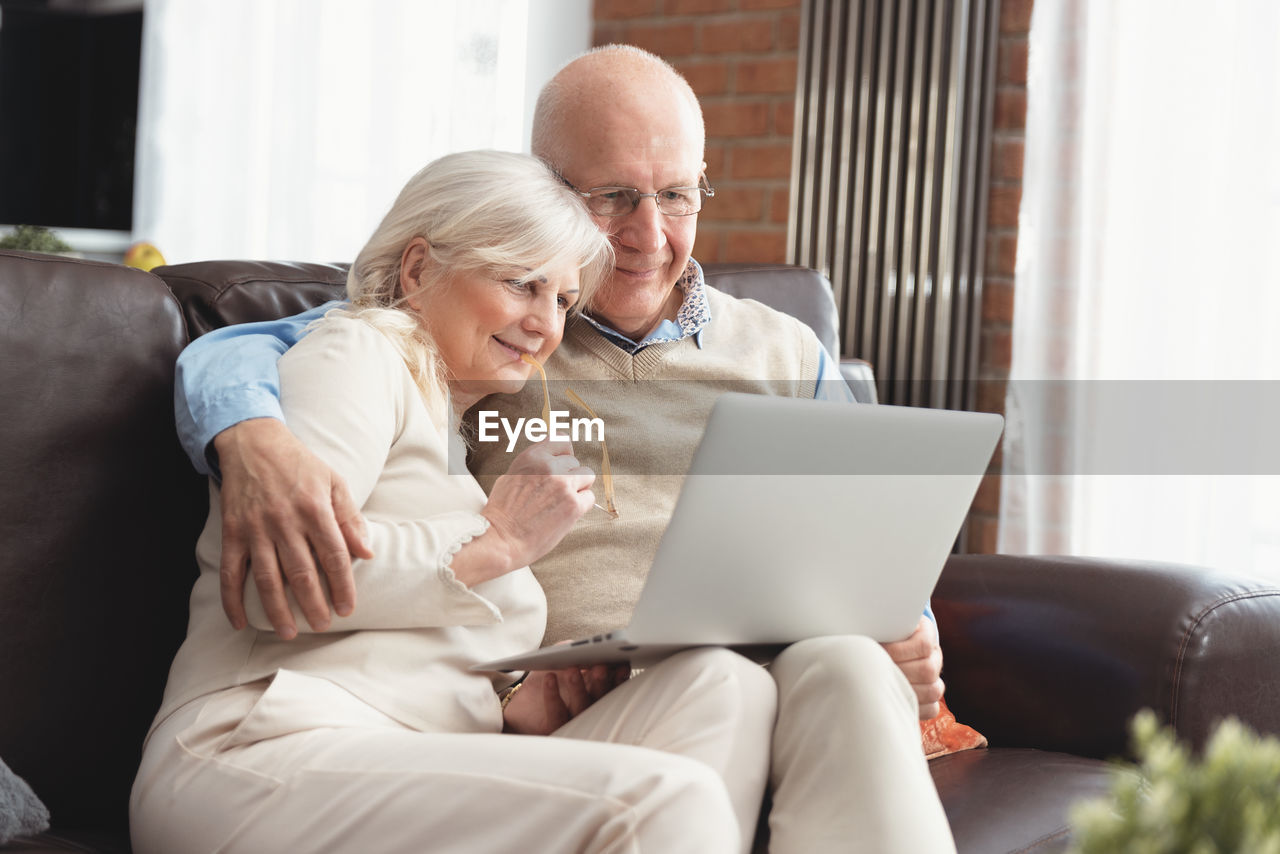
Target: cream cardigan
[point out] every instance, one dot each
(416, 629)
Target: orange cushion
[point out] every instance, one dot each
(944, 734)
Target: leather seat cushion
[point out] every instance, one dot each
(1007, 800)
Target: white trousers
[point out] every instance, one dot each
(674, 760)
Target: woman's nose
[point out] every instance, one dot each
(543, 316)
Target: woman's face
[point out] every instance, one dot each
(483, 323)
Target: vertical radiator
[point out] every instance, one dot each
(889, 183)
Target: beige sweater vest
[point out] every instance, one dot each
(654, 406)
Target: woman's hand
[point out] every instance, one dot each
(549, 699)
(537, 501)
(530, 509)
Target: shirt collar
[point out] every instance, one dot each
(692, 317)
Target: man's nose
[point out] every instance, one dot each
(642, 230)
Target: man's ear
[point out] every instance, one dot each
(413, 264)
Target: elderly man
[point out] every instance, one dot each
(626, 131)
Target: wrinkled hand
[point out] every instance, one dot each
(284, 512)
(536, 502)
(919, 657)
(549, 699)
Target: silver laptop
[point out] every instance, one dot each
(799, 518)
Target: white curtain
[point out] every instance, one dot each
(1143, 405)
(284, 128)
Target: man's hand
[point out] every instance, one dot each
(284, 511)
(549, 699)
(920, 659)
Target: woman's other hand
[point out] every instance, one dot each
(537, 501)
(530, 509)
(549, 699)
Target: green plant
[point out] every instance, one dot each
(1225, 802)
(34, 238)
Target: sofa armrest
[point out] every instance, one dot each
(1059, 653)
(861, 379)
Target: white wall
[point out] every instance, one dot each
(558, 30)
(283, 129)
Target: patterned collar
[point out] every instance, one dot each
(691, 319)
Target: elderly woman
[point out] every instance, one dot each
(376, 735)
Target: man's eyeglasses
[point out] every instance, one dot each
(620, 201)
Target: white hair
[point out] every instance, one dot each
(479, 211)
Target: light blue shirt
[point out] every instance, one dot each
(229, 375)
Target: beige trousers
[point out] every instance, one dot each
(675, 760)
(847, 768)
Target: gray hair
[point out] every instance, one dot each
(480, 211)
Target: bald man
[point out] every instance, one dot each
(653, 351)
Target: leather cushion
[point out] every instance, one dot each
(1014, 800)
(1060, 652)
(800, 292)
(98, 515)
(219, 293)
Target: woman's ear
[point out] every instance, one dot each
(413, 264)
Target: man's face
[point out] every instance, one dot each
(650, 153)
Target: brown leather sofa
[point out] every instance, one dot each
(99, 512)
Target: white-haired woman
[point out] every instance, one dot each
(375, 735)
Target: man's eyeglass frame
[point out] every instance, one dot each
(631, 194)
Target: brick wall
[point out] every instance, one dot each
(740, 56)
(995, 347)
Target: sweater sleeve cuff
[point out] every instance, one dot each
(461, 529)
(228, 410)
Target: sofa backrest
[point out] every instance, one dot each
(219, 293)
(99, 511)
(799, 291)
